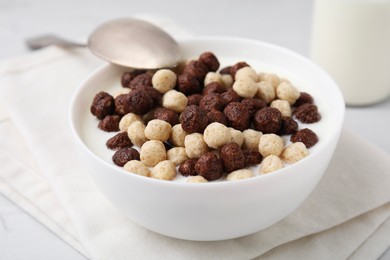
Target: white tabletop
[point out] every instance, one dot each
(283, 22)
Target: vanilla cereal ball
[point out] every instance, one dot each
(246, 72)
(127, 120)
(177, 135)
(158, 129)
(282, 105)
(236, 136)
(271, 78)
(136, 133)
(260, 75)
(137, 167)
(239, 175)
(164, 170)
(122, 91)
(164, 80)
(174, 100)
(227, 81)
(216, 135)
(177, 155)
(294, 152)
(286, 91)
(196, 179)
(245, 87)
(251, 139)
(270, 144)
(212, 77)
(265, 91)
(153, 152)
(271, 163)
(195, 145)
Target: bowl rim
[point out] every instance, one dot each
(334, 135)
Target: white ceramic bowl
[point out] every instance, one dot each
(215, 210)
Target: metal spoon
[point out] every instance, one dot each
(127, 42)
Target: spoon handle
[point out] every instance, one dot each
(42, 41)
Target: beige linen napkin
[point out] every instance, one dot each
(36, 92)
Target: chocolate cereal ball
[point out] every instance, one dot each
(226, 70)
(123, 155)
(216, 116)
(193, 119)
(153, 152)
(194, 99)
(188, 84)
(237, 115)
(118, 141)
(187, 168)
(141, 80)
(304, 98)
(210, 60)
(102, 105)
(306, 136)
(167, 115)
(252, 157)
(213, 87)
(210, 102)
(232, 157)
(253, 105)
(268, 120)
(289, 126)
(110, 123)
(154, 94)
(128, 76)
(197, 69)
(307, 113)
(209, 166)
(138, 102)
(230, 96)
(121, 104)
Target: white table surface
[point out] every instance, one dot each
(283, 22)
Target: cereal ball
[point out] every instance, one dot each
(271, 78)
(153, 152)
(123, 155)
(230, 96)
(164, 170)
(196, 179)
(251, 139)
(232, 157)
(268, 120)
(154, 94)
(141, 80)
(226, 81)
(237, 115)
(136, 133)
(236, 136)
(121, 91)
(158, 129)
(245, 87)
(209, 166)
(306, 136)
(193, 119)
(265, 91)
(216, 116)
(213, 87)
(239, 175)
(216, 135)
(174, 100)
(138, 102)
(137, 167)
(304, 98)
(197, 69)
(283, 106)
(294, 152)
(128, 76)
(166, 115)
(271, 163)
(194, 99)
(188, 84)
(246, 72)
(127, 120)
(148, 116)
(103, 104)
(120, 140)
(252, 157)
(236, 67)
(121, 104)
(195, 145)
(253, 105)
(110, 123)
(270, 144)
(286, 91)
(177, 155)
(210, 102)
(289, 126)
(210, 60)
(187, 168)
(225, 70)
(307, 113)
(177, 136)
(212, 77)
(164, 80)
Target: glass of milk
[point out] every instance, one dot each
(351, 41)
